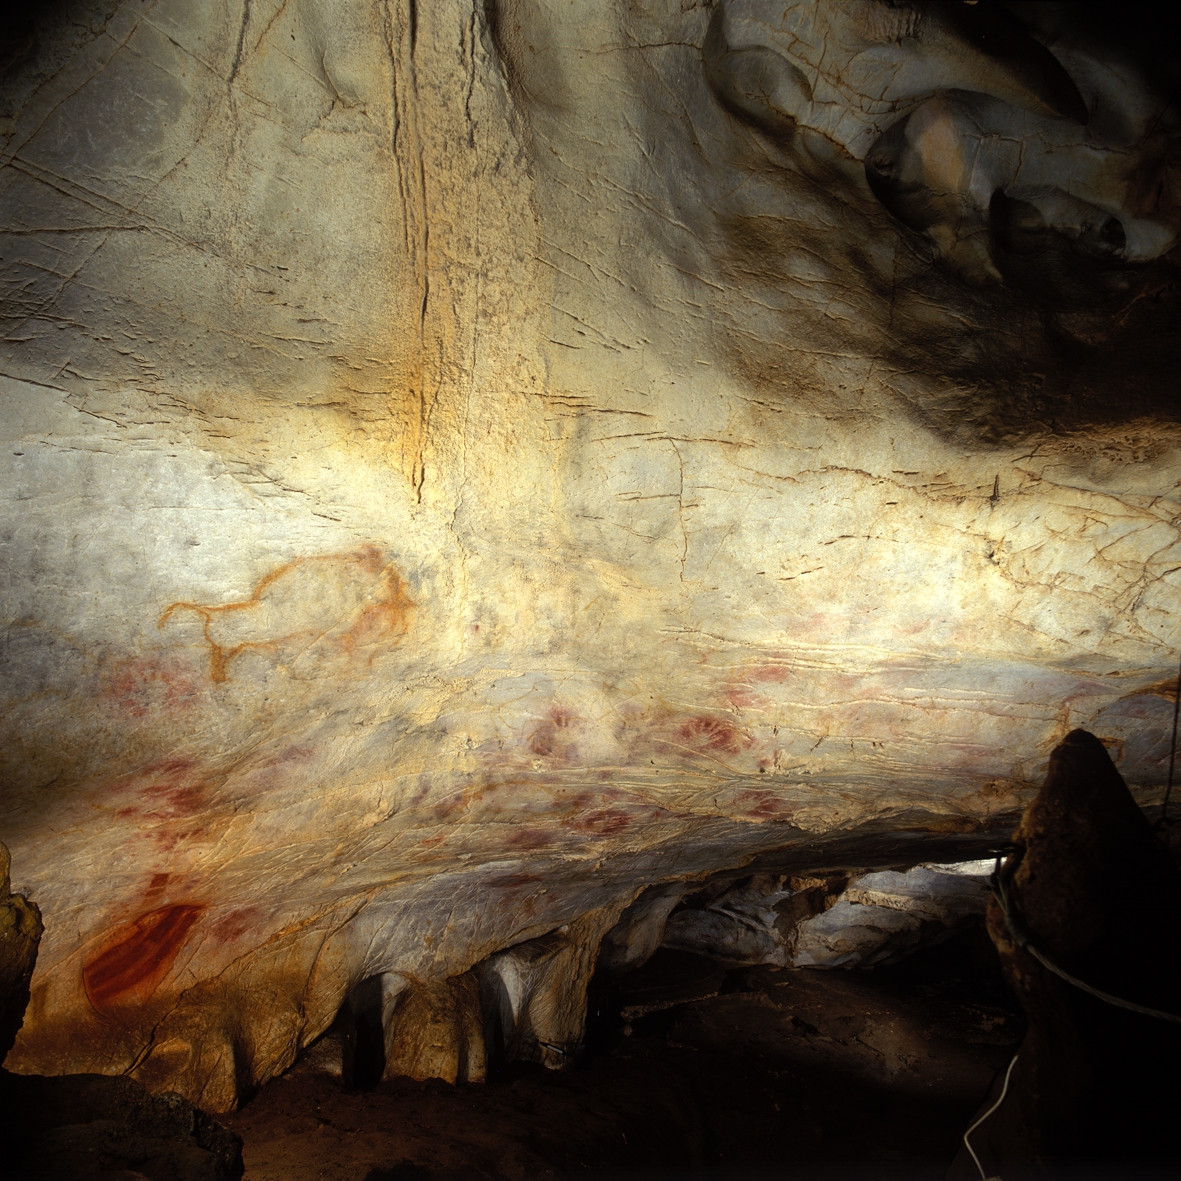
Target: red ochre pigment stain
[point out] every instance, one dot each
(167, 839)
(541, 742)
(140, 954)
(511, 880)
(275, 614)
(531, 838)
(547, 736)
(234, 925)
(167, 790)
(768, 674)
(138, 688)
(712, 734)
(765, 805)
(604, 821)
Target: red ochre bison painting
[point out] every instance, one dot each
(350, 602)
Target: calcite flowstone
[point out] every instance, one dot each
(467, 464)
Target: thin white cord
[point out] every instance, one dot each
(1000, 1100)
(1131, 1006)
(1022, 939)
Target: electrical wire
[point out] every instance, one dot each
(1022, 939)
(999, 1101)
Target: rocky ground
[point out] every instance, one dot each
(784, 1073)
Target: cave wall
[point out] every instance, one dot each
(466, 464)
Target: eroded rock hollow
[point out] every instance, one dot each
(474, 472)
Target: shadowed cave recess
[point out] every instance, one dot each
(590, 589)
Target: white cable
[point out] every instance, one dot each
(1000, 1100)
(1131, 1006)
(1022, 939)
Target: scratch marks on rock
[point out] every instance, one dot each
(238, 51)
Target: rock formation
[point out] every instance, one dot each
(85, 1126)
(1085, 921)
(20, 933)
(468, 466)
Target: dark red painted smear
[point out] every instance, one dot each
(164, 800)
(292, 754)
(235, 924)
(141, 687)
(449, 805)
(139, 955)
(508, 880)
(764, 804)
(546, 737)
(167, 839)
(169, 783)
(604, 821)
(541, 741)
(769, 674)
(530, 838)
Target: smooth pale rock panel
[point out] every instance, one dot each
(884, 916)
(467, 465)
(841, 921)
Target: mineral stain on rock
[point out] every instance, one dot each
(140, 954)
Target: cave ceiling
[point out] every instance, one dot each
(467, 466)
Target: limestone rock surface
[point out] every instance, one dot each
(20, 933)
(467, 465)
(883, 916)
(89, 1127)
(84, 1126)
(842, 922)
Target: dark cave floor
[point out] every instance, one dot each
(836, 1075)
